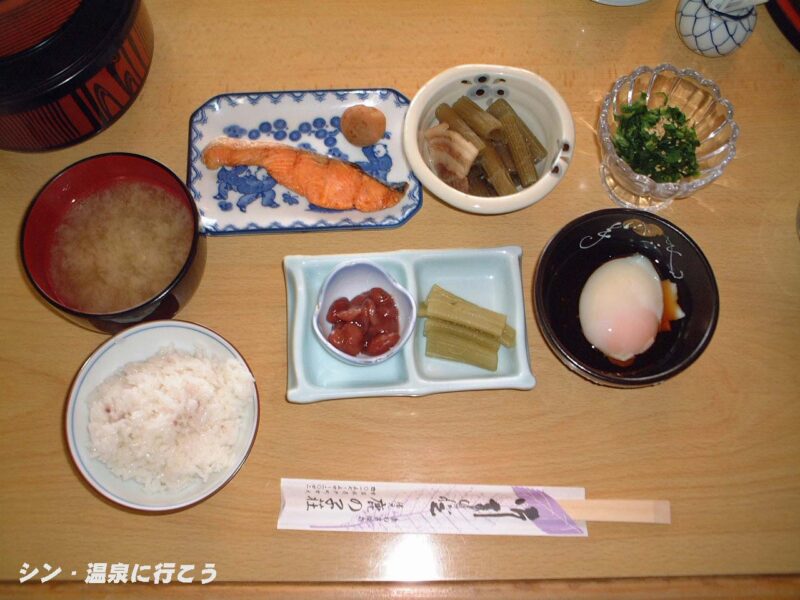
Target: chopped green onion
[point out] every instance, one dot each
(656, 142)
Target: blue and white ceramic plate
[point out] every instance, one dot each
(489, 277)
(247, 199)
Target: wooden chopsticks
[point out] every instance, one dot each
(620, 511)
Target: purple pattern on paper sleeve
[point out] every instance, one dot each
(552, 518)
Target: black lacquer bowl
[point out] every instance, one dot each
(579, 248)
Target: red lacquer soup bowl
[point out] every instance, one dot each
(80, 187)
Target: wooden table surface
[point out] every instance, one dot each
(721, 441)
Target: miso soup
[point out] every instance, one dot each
(120, 247)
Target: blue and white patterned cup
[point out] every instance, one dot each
(710, 32)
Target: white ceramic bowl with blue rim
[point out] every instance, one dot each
(348, 280)
(137, 344)
(534, 99)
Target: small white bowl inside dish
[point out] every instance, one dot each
(137, 344)
(348, 280)
(535, 100)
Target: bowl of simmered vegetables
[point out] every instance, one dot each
(489, 139)
(664, 133)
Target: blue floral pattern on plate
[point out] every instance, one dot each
(246, 199)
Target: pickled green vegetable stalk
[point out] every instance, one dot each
(446, 114)
(504, 152)
(481, 122)
(459, 330)
(496, 172)
(509, 336)
(469, 336)
(523, 159)
(445, 305)
(452, 347)
(501, 107)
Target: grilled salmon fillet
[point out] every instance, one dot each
(324, 181)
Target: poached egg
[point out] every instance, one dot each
(621, 307)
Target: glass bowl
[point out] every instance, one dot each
(700, 100)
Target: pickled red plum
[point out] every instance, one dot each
(347, 337)
(368, 324)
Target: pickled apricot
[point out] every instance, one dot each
(363, 125)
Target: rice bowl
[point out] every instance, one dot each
(162, 416)
(169, 419)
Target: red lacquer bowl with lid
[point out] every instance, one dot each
(69, 68)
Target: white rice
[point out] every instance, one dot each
(170, 420)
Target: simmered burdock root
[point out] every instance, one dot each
(507, 150)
